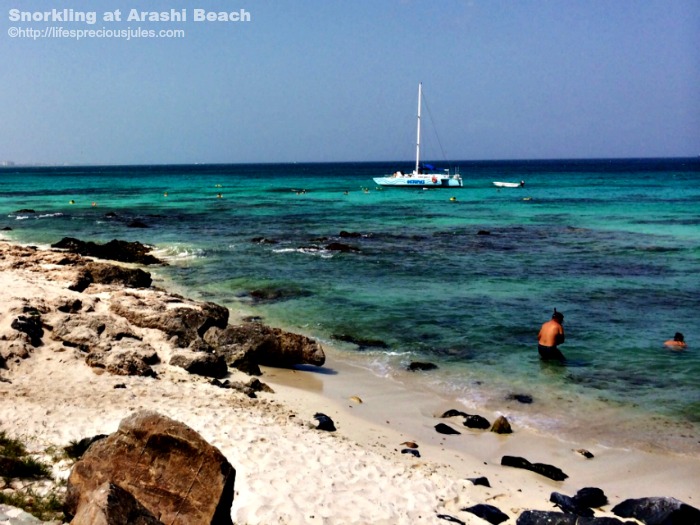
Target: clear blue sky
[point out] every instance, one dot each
(336, 80)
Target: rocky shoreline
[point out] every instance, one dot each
(102, 329)
(199, 331)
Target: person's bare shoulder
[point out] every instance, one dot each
(675, 344)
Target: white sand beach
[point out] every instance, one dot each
(287, 471)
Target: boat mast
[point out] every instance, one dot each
(420, 86)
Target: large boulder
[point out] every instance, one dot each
(168, 468)
(183, 320)
(293, 349)
(264, 345)
(241, 343)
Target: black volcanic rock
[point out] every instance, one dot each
(360, 341)
(658, 511)
(445, 429)
(476, 421)
(420, 366)
(341, 247)
(324, 422)
(115, 250)
(543, 469)
(489, 513)
(520, 398)
(454, 412)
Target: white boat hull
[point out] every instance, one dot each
(509, 184)
(413, 181)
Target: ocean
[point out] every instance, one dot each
(459, 277)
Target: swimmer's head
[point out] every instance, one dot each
(558, 316)
(679, 337)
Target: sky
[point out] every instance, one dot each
(333, 81)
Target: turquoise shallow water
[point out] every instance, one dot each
(615, 245)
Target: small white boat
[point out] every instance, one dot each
(509, 184)
(421, 177)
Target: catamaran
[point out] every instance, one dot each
(422, 176)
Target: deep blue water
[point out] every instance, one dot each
(465, 283)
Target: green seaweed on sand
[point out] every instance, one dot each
(16, 463)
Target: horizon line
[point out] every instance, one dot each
(11, 164)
